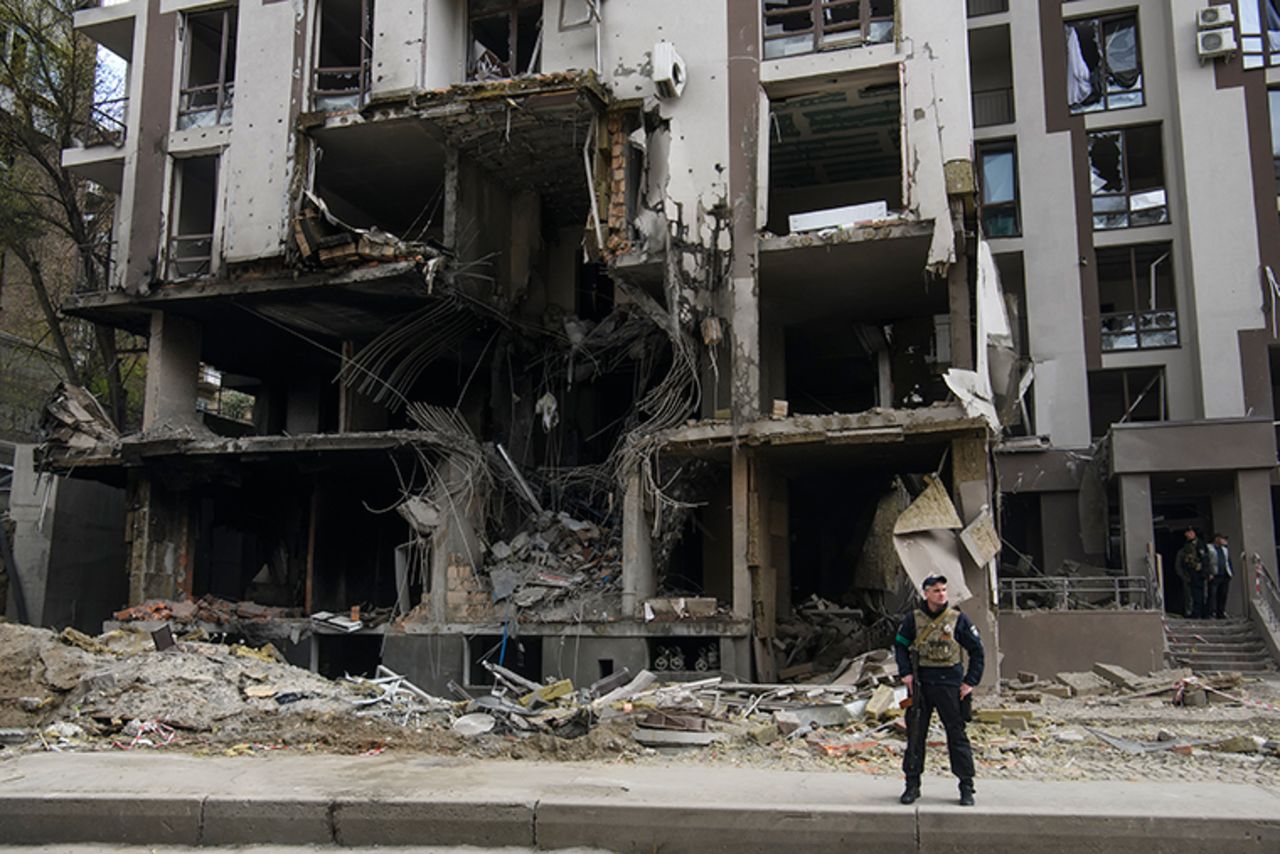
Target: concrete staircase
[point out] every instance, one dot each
(1209, 646)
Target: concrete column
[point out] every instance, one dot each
(1257, 536)
(639, 581)
(741, 536)
(162, 535)
(971, 484)
(173, 366)
(744, 130)
(1136, 523)
(961, 312)
(454, 542)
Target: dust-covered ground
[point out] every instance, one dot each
(117, 693)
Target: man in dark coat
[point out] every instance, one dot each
(927, 649)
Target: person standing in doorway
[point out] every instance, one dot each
(1193, 568)
(1220, 583)
(927, 650)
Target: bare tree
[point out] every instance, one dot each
(55, 224)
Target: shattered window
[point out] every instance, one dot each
(1104, 64)
(209, 68)
(998, 178)
(794, 27)
(344, 52)
(1126, 174)
(1136, 297)
(500, 31)
(1259, 32)
(191, 217)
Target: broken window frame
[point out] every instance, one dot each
(1004, 207)
(1108, 99)
(482, 10)
(363, 72)
(1134, 382)
(823, 31)
(178, 263)
(1259, 32)
(1154, 327)
(1115, 210)
(190, 102)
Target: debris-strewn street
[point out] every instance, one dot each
(117, 692)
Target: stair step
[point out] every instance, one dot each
(1210, 638)
(1218, 648)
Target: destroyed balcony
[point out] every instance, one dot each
(101, 155)
(100, 151)
(525, 134)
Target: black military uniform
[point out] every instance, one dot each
(935, 639)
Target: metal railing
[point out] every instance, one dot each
(205, 106)
(993, 107)
(190, 255)
(336, 82)
(108, 122)
(1265, 598)
(1071, 593)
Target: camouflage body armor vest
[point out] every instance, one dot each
(935, 642)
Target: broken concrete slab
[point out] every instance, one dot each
(1083, 684)
(881, 702)
(1119, 676)
(674, 738)
(998, 716)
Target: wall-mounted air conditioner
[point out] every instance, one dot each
(669, 72)
(1211, 44)
(1222, 15)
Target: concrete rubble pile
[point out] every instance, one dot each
(556, 560)
(74, 419)
(117, 691)
(207, 609)
(112, 688)
(819, 642)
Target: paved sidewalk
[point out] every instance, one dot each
(401, 800)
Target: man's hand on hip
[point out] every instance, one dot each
(965, 690)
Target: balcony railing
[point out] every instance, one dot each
(340, 87)
(1070, 593)
(205, 106)
(992, 107)
(107, 122)
(190, 255)
(1139, 330)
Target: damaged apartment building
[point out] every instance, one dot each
(582, 335)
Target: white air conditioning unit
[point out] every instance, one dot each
(1216, 16)
(1211, 44)
(669, 72)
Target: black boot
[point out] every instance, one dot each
(966, 793)
(911, 793)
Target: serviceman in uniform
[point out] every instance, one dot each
(927, 649)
